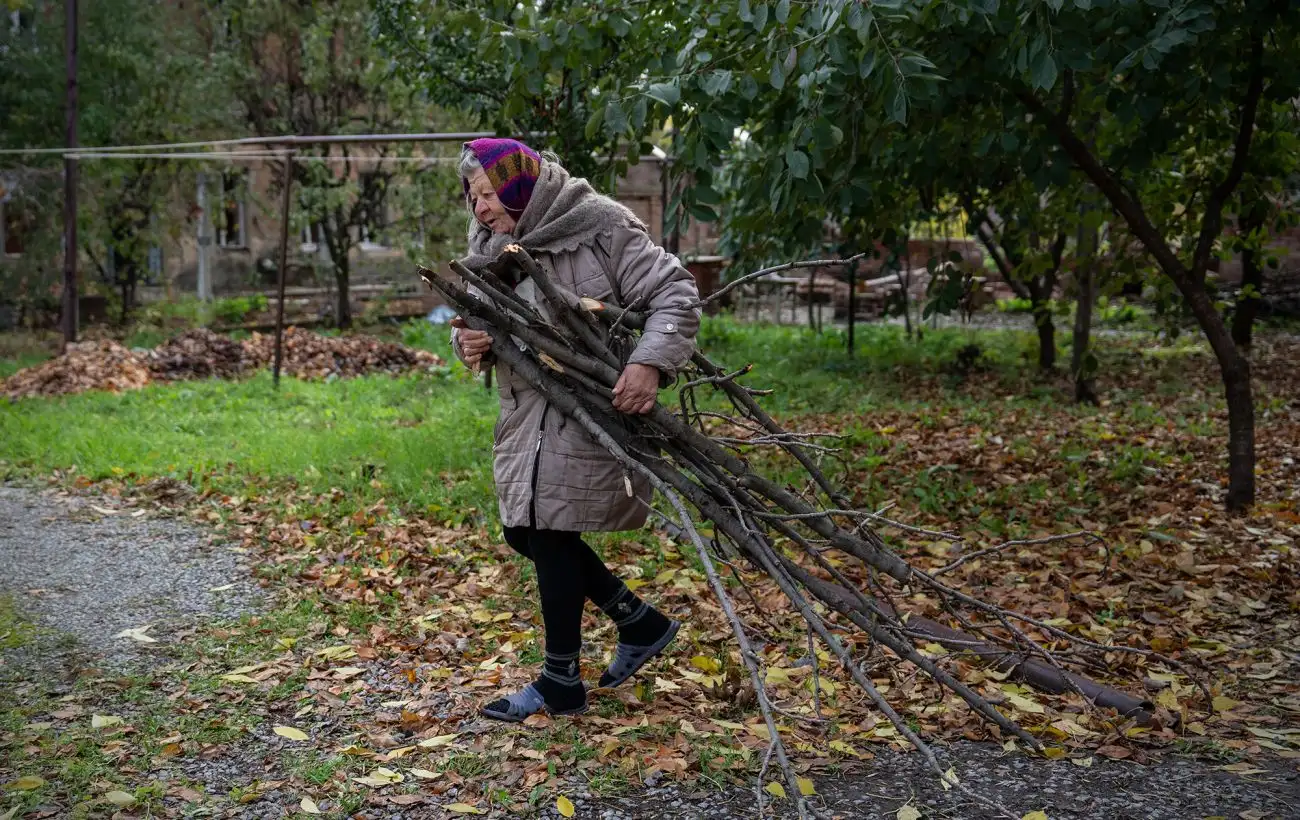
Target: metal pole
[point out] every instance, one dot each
(853, 301)
(204, 286)
(284, 264)
(70, 182)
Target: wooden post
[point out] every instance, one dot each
(284, 264)
(812, 284)
(70, 180)
(853, 301)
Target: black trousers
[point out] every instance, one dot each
(568, 573)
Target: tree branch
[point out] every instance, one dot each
(1212, 221)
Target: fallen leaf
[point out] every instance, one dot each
(1114, 752)
(1035, 815)
(223, 588)
(440, 740)
(308, 805)
(1224, 704)
(806, 786)
(290, 732)
(564, 806)
(380, 777)
(464, 808)
(120, 799)
(238, 677)
(137, 634)
(775, 789)
(908, 812)
(104, 721)
(706, 664)
(26, 784)
(424, 774)
(949, 779)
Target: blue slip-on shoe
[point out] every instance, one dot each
(628, 658)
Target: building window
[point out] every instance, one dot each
(312, 237)
(232, 210)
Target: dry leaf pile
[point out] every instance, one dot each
(202, 354)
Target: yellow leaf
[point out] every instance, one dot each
(120, 799)
(949, 779)
(634, 584)
(1224, 704)
(776, 676)
(238, 677)
(908, 812)
(564, 806)
(290, 732)
(336, 653)
(844, 748)
(727, 724)
(1035, 815)
(380, 777)
(806, 786)
(1023, 703)
(665, 685)
(706, 664)
(1168, 699)
(424, 774)
(665, 576)
(776, 789)
(26, 784)
(308, 805)
(440, 740)
(104, 721)
(464, 808)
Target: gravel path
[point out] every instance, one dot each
(86, 569)
(1173, 789)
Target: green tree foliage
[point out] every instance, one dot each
(822, 110)
(143, 77)
(312, 68)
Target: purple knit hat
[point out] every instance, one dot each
(512, 169)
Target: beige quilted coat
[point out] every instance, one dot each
(549, 472)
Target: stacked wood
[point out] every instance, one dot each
(826, 558)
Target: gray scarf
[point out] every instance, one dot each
(563, 214)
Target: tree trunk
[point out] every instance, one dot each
(1085, 388)
(342, 278)
(1046, 336)
(1191, 281)
(1252, 282)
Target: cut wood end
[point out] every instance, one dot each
(512, 248)
(550, 362)
(594, 305)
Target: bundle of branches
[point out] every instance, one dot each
(806, 539)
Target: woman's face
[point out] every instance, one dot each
(488, 209)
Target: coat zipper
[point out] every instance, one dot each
(537, 461)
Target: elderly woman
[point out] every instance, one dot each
(553, 481)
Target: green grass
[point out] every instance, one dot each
(422, 439)
(15, 630)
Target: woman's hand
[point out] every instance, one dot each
(637, 389)
(474, 344)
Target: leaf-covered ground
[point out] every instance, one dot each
(397, 610)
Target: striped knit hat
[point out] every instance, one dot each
(512, 169)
